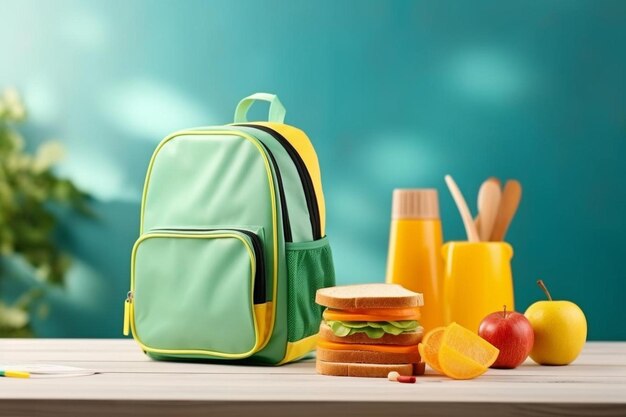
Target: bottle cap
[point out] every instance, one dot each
(415, 203)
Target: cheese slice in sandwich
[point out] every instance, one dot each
(373, 314)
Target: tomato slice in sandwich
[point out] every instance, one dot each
(373, 314)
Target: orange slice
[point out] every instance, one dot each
(457, 366)
(429, 348)
(463, 354)
(470, 344)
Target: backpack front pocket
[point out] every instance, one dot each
(195, 293)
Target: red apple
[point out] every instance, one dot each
(512, 333)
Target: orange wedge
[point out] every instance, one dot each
(457, 366)
(429, 348)
(463, 354)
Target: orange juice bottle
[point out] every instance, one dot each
(415, 260)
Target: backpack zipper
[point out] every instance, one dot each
(303, 173)
(127, 303)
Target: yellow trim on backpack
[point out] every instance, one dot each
(270, 176)
(296, 350)
(263, 313)
(300, 141)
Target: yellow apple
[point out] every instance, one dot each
(560, 330)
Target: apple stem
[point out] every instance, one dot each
(504, 311)
(544, 288)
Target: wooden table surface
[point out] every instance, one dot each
(129, 383)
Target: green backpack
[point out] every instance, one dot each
(232, 244)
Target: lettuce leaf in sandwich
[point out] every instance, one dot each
(373, 329)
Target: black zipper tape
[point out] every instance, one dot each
(260, 284)
(260, 291)
(303, 173)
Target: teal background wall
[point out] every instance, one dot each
(393, 94)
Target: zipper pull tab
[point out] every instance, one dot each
(129, 300)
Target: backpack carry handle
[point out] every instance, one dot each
(276, 113)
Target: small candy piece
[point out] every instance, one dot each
(393, 376)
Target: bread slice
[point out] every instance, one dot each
(365, 356)
(407, 338)
(346, 297)
(368, 369)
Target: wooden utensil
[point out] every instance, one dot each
(470, 227)
(496, 180)
(511, 196)
(488, 207)
(477, 218)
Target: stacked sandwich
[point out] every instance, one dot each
(369, 330)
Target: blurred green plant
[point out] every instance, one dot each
(29, 192)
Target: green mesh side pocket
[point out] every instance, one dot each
(309, 268)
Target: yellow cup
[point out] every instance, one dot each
(477, 281)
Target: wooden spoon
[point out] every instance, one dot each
(511, 196)
(470, 227)
(496, 180)
(488, 207)
(477, 218)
